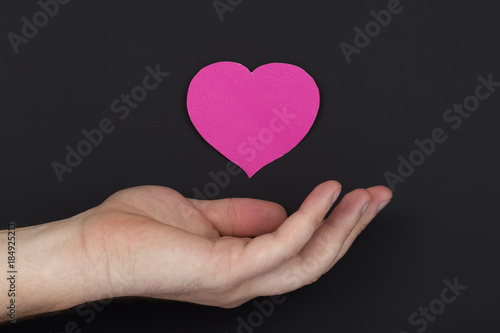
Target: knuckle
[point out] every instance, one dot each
(310, 216)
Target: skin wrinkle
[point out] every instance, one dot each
(308, 216)
(83, 240)
(289, 254)
(103, 237)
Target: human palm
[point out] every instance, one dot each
(153, 242)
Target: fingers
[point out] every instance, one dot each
(380, 197)
(240, 217)
(319, 252)
(268, 251)
(328, 244)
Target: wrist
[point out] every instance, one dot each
(53, 270)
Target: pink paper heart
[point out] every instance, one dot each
(253, 118)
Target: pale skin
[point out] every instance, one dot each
(150, 241)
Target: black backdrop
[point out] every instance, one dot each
(441, 224)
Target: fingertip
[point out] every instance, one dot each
(381, 191)
(330, 189)
(274, 213)
(381, 197)
(333, 185)
(281, 213)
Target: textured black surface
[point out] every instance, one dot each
(441, 224)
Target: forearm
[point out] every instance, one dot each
(51, 270)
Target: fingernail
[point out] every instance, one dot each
(336, 196)
(365, 207)
(382, 205)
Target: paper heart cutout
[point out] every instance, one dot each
(253, 118)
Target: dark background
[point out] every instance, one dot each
(441, 224)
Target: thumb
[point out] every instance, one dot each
(241, 217)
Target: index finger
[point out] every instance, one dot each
(268, 251)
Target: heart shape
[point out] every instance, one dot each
(253, 118)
